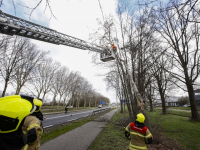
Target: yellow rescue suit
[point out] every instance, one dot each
(140, 136)
(32, 129)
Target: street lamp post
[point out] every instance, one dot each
(116, 101)
(76, 100)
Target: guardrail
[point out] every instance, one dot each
(100, 110)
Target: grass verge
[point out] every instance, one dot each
(53, 132)
(183, 108)
(112, 137)
(169, 131)
(179, 113)
(178, 128)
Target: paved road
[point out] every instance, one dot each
(61, 118)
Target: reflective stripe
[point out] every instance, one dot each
(32, 126)
(40, 132)
(25, 147)
(127, 129)
(24, 132)
(138, 147)
(147, 136)
(136, 133)
(132, 148)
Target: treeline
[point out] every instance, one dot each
(28, 70)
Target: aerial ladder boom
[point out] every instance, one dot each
(12, 25)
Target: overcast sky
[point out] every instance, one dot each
(76, 18)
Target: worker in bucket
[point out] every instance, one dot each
(108, 52)
(139, 134)
(13, 111)
(114, 48)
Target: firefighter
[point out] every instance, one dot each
(33, 127)
(66, 109)
(114, 48)
(139, 134)
(13, 111)
(108, 52)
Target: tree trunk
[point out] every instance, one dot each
(163, 103)
(43, 96)
(5, 87)
(17, 91)
(150, 98)
(121, 106)
(194, 111)
(53, 101)
(84, 103)
(151, 105)
(70, 102)
(59, 103)
(38, 96)
(64, 101)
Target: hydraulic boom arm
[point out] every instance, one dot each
(12, 25)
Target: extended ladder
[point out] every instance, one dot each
(12, 25)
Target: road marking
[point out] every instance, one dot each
(67, 115)
(48, 126)
(65, 122)
(73, 119)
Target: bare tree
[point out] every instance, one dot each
(150, 95)
(47, 74)
(182, 37)
(162, 79)
(31, 9)
(67, 88)
(74, 88)
(31, 57)
(4, 43)
(87, 94)
(11, 58)
(63, 79)
(42, 78)
(122, 64)
(183, 100)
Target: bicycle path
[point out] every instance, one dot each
(79, 138)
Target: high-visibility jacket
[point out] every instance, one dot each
(139, 136)
(66, 108)
(114, 48)
(32, 129)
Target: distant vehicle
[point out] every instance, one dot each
(113, 106)
(186, 105)
(99, 106)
